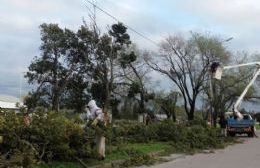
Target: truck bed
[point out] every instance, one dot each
(240, 123)
(240, 127)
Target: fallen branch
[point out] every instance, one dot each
(81, 162)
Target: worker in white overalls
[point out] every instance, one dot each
(96, 117)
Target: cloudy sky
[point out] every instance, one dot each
(20, 20)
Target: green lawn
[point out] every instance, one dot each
(125, 151)
(149, 148)
(61, 165)
(257, 126)
(121, 152)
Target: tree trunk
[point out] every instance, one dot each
(191, 116)
(191, 112)
(107, 101)
(141, 108)
(168, 116)
(174, 118)
(173, 114)
(55, 102)
(55, 91)
(215, 116)
(215, 103)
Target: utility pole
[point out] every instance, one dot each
(211, 99)
(20, 88)
(21, 85)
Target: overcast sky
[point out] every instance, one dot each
(20, 20)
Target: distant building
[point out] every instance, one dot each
(8, 105)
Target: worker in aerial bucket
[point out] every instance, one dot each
(96, 119)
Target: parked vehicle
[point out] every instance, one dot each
(241, 126)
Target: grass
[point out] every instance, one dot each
(257, 126)
(128, 150)
(61, 165)
(150, 147)
(120, 152)
(124, 151)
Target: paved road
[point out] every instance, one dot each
(245, 155)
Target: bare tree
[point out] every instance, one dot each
(186, 64)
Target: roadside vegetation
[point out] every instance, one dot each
(53, 139)
(257, 126)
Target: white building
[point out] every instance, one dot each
(9, 103)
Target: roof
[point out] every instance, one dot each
(8, 105)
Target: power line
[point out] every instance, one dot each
(117, 20)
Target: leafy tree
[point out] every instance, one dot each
(168, 104)
(135, 75)
(76, 96)
(109, 49)
(62, 56)
(36, 99)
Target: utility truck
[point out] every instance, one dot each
(238, 123)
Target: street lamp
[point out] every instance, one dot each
(227, 40)
(21, 85)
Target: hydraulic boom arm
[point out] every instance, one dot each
(217, 73)
(241, 97)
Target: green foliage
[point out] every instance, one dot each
(134, 89)
(75, 97)
(135, 154)
(257, 117)
(184, 138)
(119, 32)
(50, 136)
(61, 165)
(167, 103)
(98, 91)
(138, 160)
(60, 61)
(68, 58)
(36, 99)
(198, 121)
(110, 56)
(127, 59)
(211, 46)
(134, 142)
(257, 127)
